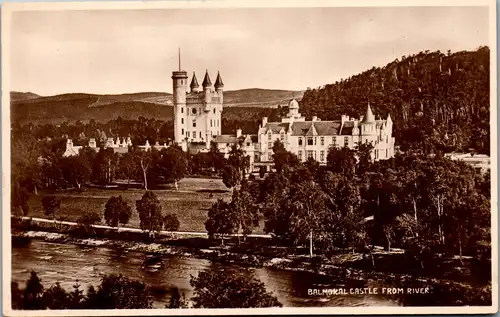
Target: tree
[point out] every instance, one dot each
(220, 220)
(173, 164)
(76, 170)
(149, 209)
(51, 205)
(176, 300)
(119, 292)
(236, 167)
(105, 164)
(117, 211)
(33, 293)
(144, 159)
(20, 197)
(55, 297)
(244, 212)
(171, 223)
(342, 161)
(307, 209)
(128, 166)
(87, 220)
(222, 289)
(282, 157)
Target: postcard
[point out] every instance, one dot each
(249, 157)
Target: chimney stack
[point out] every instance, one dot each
(264, 121)
(238, 133)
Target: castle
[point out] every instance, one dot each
(197, 113)
(197, 123)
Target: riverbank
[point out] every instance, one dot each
(435, 291)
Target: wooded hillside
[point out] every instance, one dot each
(437, 101)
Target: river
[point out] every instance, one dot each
(66, 263)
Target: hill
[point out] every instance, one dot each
(437, 101)
(29, 107)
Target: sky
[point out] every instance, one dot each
(124, 51)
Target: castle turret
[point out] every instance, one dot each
(219, 86)
(194, 84)
(367, 125)
(207, 89)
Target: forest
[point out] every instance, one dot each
(438, 102)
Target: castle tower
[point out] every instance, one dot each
(179, 79)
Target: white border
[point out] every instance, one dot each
(9, 8)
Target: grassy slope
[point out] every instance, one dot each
(190, 203)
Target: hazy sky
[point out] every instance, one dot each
(113, 51)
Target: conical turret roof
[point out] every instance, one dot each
(194, 82)
(206, 81)
(218, 81)
(369, 117)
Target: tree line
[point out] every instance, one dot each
(428, 205)
(212, 289)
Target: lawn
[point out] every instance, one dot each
(190, 203)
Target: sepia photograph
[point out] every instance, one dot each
(222, 157)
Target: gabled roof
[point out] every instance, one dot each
(311, 131)
(315, 128)
(275, 127)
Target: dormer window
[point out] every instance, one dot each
(300, 141)
(269, 136)
(282, 136)
(194, 110)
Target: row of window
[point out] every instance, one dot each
(188, 133)
(212, 122)
(193, 110)
(313, 141)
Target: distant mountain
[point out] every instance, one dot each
(29, 107)
(437, 101)
(19, 96)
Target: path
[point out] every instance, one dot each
(125, 229)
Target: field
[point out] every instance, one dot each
(190, 203)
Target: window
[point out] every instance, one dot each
(334, 141)
(310, 154)
(182, 110)
(194, 134)
(309, 141)
(282, 137)
(269, 145)
(346, 141)
(269, 157)
(376, 154)
(269, 136)
(182, 131)
(322, 140)
(182, 120)
(194, 110)
(322, 156)
(300, 141)
(386, 153)
(214, 110)
(218, 124)
(210, 122)
(300, 155)
(194, 123)
(200, 134)
(248, 143)
(187, 134)
(315, 140)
